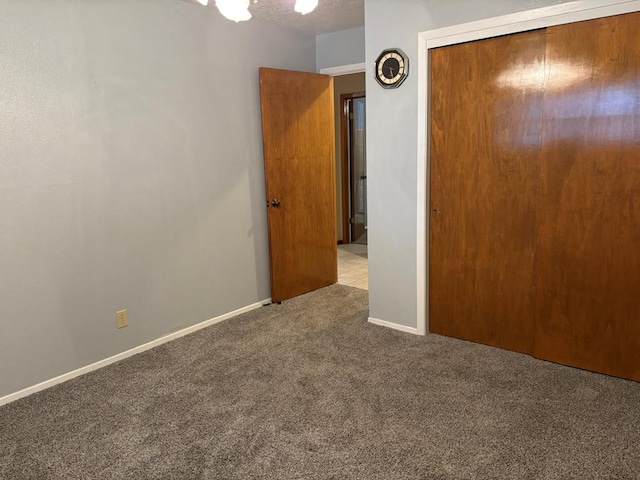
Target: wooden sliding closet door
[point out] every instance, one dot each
(485, 167)
(587, 276)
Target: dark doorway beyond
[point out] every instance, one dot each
(357, 166)
(345, 87)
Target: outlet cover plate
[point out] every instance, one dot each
(121, 318)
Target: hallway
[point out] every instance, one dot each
(353, 265)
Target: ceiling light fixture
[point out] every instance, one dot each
(236, 10)
(305, 6)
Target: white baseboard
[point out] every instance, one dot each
(395, 326)
(129, 353)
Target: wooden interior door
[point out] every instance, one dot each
(587, 276)
(298, 140)
(485, 136)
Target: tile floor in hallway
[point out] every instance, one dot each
(353, 265)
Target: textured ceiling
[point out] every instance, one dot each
(329, 15)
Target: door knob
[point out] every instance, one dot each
(275, 202)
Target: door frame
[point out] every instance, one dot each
(343, 69)
(344, 164)
(492, 27)
(336, 72)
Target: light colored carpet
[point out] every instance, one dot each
(309, 389)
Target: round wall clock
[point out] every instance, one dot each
(392, 67)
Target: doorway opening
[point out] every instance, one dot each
(354, 168)
(351, 179)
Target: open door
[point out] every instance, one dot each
(299, 165)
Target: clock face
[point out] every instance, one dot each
(392, 67)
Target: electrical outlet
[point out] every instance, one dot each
(121, 318)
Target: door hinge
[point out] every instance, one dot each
(352, 220)
(351, 116)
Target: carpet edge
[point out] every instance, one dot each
(25, 392)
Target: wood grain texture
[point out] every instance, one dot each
(587, 279)
(298, 140)
(485, 132)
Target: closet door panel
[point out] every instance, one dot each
(485, 169)
(587, 276)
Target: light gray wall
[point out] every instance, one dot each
(336, 49)
(131, 174)
(392, 143)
